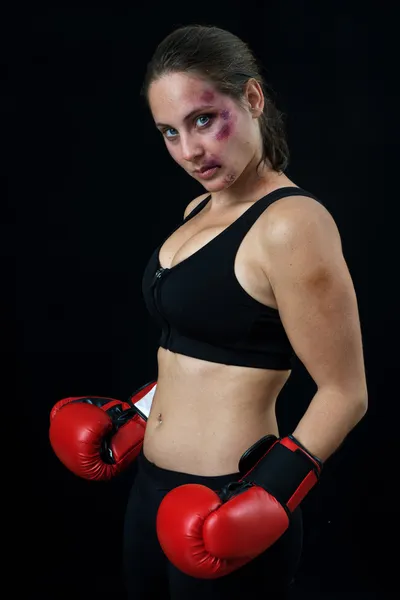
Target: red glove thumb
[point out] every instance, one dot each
(181, 518)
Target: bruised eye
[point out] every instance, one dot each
(203, 117)
(201, 120)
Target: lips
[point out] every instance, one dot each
(207, 167)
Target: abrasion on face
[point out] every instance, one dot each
(227, 128)
(208, 97)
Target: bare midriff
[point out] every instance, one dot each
(205, 415)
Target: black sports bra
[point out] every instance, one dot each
(202, 309)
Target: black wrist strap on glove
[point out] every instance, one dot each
(283, 467)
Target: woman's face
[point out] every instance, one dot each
(204, 128)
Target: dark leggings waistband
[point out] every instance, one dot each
(170, 479)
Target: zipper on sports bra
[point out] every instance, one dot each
(156, 295)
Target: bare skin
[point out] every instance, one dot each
(205, 415)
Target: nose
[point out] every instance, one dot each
(191, 148)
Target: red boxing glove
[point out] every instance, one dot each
(209, 534)
(97, 438)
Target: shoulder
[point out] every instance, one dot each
(193, 203)
(295, 220)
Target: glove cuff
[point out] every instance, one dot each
(287, 471)
(142, 399)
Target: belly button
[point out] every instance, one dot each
(159, 418)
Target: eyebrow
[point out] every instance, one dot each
(189, 116)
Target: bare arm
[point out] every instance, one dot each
(318, 307)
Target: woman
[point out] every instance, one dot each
(254, 275)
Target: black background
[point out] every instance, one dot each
(92, 191)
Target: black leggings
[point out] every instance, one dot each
(148, 572)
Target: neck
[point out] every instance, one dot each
(249, 187)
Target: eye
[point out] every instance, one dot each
(208, 119)
(164, 131)
(204, 117)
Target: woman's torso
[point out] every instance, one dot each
(205, 414)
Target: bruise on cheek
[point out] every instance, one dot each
(227, 128)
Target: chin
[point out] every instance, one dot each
(219, 184)
(212, 186)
